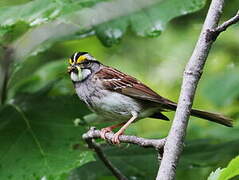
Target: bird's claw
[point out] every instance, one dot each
(104, 131)
(115, 139)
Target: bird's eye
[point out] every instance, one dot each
(87, 63)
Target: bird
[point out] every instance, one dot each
(121, 98)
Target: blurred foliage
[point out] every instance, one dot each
(38, 130)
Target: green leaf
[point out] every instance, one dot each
(38, 137)
(12, 2)
(109, 20)
(231, 170)
(39, 11)
(3, 31)
(215, 175)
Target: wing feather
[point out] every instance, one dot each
(115, 80)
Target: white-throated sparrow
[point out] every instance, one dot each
(121, 98)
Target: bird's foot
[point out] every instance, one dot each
(115, 139)
(104, 131)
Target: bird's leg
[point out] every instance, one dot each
(103, 131)
(115, 139)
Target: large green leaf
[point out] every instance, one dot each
(75, 19)
(146, 19)
(215, 174)
(38, 137)
(231, 170)
(40, 11)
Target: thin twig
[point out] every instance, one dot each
(93, 145)
(174, 144)
(228, 23)
(216, 31)
(143, 142)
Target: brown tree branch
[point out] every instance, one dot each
(174, 144)
(143, 142)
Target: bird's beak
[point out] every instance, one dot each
(69, 69)
(74, 68)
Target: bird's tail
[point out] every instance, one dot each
(214, 117)
(218, 118)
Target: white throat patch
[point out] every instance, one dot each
(75, 77)
(81, 75)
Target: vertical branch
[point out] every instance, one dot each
(192, 74)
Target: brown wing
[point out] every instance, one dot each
(115, 80)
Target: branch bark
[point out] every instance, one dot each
(174, 144)
(224, 26)
(143, 142)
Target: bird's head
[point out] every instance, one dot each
(81, 66)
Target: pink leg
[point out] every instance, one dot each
(103, 131)
(115, 139)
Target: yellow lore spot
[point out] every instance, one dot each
(70, 61)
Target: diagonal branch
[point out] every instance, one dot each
(143, 142)
(228, 23)
(223, 27)
(93, 145)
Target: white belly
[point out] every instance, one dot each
(116, 106)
